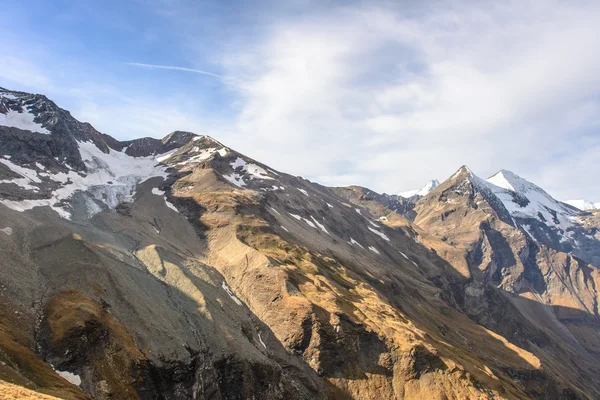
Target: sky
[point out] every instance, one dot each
(382, 94)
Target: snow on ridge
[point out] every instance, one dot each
(255, 171)
(22, 120)
(110, 179)
(252, 171)
(204, 154)
(527, 200)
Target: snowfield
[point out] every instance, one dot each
(23, 120)
(110, 180)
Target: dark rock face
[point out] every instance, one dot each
(149, 146)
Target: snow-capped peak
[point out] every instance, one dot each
(15, 113)
(511, 181)
(429, 186)
(524, 199)
(584, 205)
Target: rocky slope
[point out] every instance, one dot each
(180, 268)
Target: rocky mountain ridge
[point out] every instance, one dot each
(180, 268)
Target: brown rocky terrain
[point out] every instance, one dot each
(182, 269)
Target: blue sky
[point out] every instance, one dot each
(378, 93)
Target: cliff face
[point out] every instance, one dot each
(179, 268)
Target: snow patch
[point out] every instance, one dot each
(230, 293)
(27, 176)
(405, 256)
(373, 223)
(296, 216)
(171, 205)
(374, 250)
(204, 154)
(255, 171)
(261, 341)
(163, 157)
(309, 222)
(8, 230)
(111, 179)
(304, 192)
(354, 242)
(235, 179)
(380, 234)
(321, 226)
(274, 210)
(22, 120)
(70, 377)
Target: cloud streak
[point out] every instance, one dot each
(174, 68)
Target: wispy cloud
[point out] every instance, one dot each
(174, 68)
(407, 98)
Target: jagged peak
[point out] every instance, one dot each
(462, 173)
(428, 187)
(179, 137)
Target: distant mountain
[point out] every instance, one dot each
(179, 268)
(429, 186)
(584, 205)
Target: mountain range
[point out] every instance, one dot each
(179, 268)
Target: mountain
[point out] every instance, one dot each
(180, 268)
(432, 184)
(584, 205)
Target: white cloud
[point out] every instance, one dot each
(173, 68)
(410, 99)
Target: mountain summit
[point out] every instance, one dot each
(179, 268)
(429, 186)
